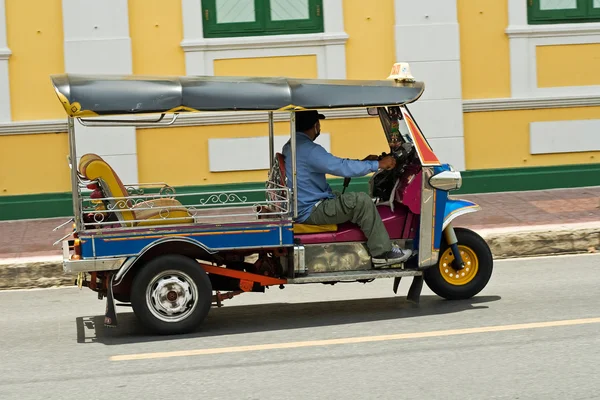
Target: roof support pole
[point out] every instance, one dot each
(74, 175)
(271, 140)
(293, 143)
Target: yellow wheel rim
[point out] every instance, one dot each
(466, 275)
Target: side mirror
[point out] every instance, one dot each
(372, 111)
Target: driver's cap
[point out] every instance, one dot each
(306, 119)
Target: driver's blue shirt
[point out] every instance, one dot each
(313, 162)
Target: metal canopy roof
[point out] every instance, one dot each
(100, 95)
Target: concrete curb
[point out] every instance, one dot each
(33, 273)
(512, 242)
(542, 240)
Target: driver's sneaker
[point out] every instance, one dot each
(393, 256)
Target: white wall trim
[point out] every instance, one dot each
(328, 47)
(552, 30)
(195, 119)
(97, 41)
(207, 65)
(549, 137)
(531, 103)
(237, 150)
(427, 35)
(224, 118)
(333, 16)
(260, 42)
(32, 127)
(524, 39)
(5, 53)
(193, 29)
(517, 13)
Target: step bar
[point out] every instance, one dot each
(353, 275)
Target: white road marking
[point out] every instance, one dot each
(352, 340)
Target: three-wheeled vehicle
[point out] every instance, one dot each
(172, 256)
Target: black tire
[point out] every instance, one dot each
(168, 274)
(470, 241)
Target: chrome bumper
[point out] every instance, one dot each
(89, 265)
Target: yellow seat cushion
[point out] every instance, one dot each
(307, 228)
(93, 167)
(158, 214)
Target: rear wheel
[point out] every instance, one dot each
(451, 284)
(171, 294)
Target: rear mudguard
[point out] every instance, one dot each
(457, 207)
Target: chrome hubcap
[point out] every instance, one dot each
(171, 296)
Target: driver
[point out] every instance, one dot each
(318, 205)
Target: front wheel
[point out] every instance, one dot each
(171, 294)
(450, 284)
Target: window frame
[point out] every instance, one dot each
(263, 25)
(593, 12)
(585, 12)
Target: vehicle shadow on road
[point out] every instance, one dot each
(278, 316)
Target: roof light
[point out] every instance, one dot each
(401, 73)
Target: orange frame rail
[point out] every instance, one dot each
(247, 279)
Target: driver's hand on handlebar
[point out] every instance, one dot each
(371, 157)
(387, 162)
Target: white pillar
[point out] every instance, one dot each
(427, 37)
(335, 52)
(97, 41)
(4, 56)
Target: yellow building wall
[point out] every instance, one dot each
(35, 37)
(34, 163)
(484, 48)
(156, 32)
(568, 65)
(500, 139)
(370, 49)
(179, 156)
(289, 66)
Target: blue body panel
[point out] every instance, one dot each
(446, 208)
(440, 198)
(133, 242)
(450, 207)
(454, 205)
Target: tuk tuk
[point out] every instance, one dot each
(173, 256)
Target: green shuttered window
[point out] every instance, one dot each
(563, 11)
(227, 18)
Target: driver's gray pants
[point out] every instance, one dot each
(359, 209)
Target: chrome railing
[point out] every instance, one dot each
(166, 207)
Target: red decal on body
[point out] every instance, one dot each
(428, 157)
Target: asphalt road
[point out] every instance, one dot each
(533, 333)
